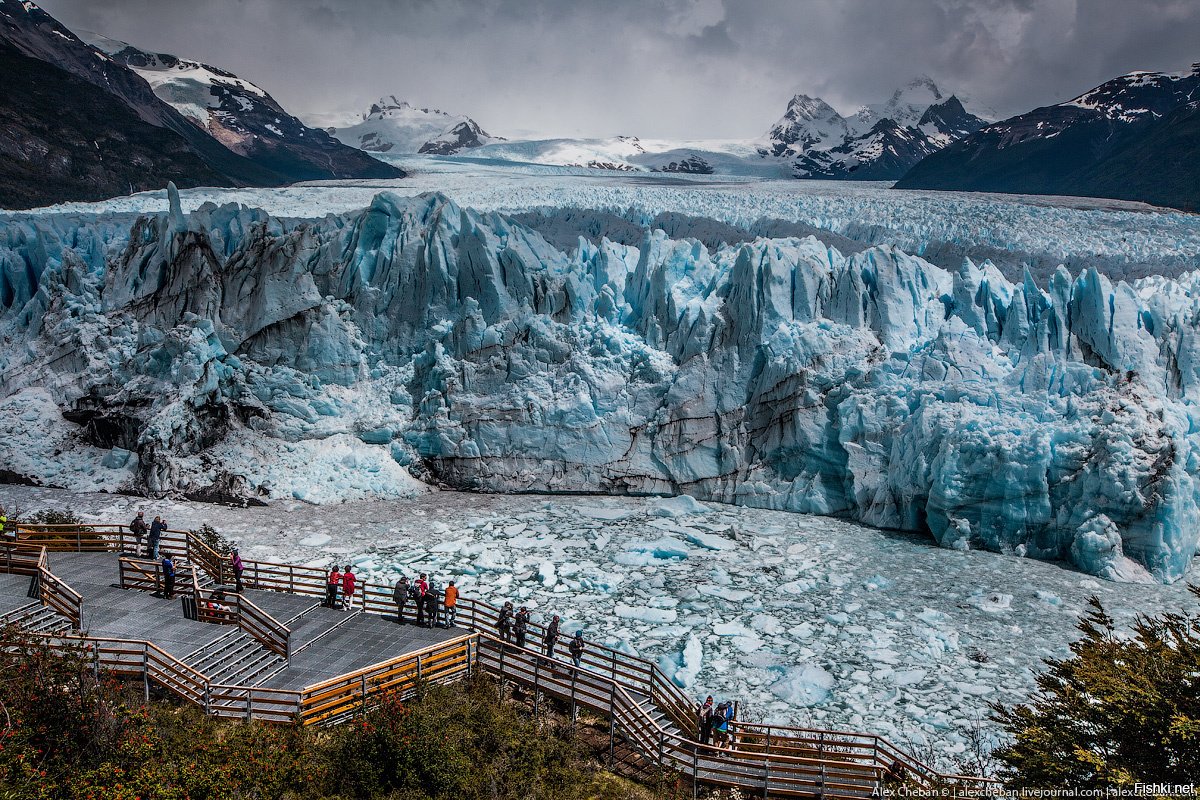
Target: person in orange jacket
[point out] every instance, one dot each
(450, 603)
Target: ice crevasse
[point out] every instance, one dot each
(419, 338)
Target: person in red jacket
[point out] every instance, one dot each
(348, 582)
(332, 586)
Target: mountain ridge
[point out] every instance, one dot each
(1134, 137)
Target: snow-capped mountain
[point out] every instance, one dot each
(242, 116)
(1136, 137)
(46, 159)
(231, 352)
(395, 126)
(878, 142)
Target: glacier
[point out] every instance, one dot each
(227, 352)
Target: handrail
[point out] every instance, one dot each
(847, 760)
(270, 632)
(58, 595)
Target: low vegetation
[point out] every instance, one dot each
(1123, 709)
(71, 734)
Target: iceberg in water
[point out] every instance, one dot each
(230, 352)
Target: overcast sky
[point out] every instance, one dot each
(670, 68)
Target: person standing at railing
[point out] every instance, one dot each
(576, 648)
(348, 582)
(168, 573)
(450, 604)
(156, 530)
(521, 626)
(431, 606)
(139, 529)
(400, 597)
(720, 726)
(238, 569)
(504, 623)
(550, 637)
(333, 586)
(420, 589)
(705, 715)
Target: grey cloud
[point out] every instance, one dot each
(694, 68)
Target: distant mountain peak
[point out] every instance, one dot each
(397, 126)
(876, 142)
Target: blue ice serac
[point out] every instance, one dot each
(1055, 421)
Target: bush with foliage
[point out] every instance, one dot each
(213, 538)
(1123, 709)
(70, 734)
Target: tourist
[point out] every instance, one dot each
(576, 648)
(550, 638)
(400, 597)
(332, 586)
(705, 716)
(521, 626)
(348, 582)
(419, 590)
(139, 529)
(168, 573)
(431, 606)
(451, 604)
(504, 623)
(720, 723)
(238, 569)
(156, 531)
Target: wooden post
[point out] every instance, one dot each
(766, 778)
(363, 690)
(537, 663)
(612, 717)
(821, 783)
(574, 709)
(249, 704)
(145, 674)
(418, 667)
(695, 767)
(207, 700)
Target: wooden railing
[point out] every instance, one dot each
(775, 759)
(270, 632)
(56, 594)
(335, 698)
(52, 591)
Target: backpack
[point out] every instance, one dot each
(414, 592)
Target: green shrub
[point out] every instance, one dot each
(1121, 710)
(213, 538)
(456, 742)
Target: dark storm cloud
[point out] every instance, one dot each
(678, 68)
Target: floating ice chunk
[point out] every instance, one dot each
(654, 616)
(316, 540)
(732, 629)
(747, 644)
(839, 619)
(806, 685)
(690, 662)
(547, 574)
(877, 582)
(908, 677)
(680, 506)
(709, 541)
(975, 689)
(993, 603)
(604, 514)
(1049, 598)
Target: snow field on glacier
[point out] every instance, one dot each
(803, 619)
(1122, 239)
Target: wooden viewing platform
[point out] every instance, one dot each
(274, 653)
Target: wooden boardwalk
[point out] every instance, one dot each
(274, 653)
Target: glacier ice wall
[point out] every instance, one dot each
(1052, 421)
